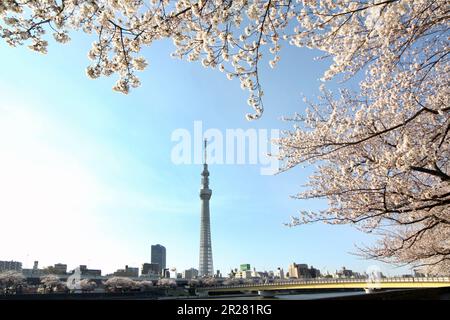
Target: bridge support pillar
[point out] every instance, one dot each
(202, 293)
(266, 293)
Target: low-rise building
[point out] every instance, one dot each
(279, 273)
(10, 266)
(89, 272)
(127, 272)
(190, 273)
(60, 268)
(151, 269)
(243, 274)
(244, 267)
(298, 271)
(315, 273)
(344, 273)
(33, 273)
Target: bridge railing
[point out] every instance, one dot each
(332, 281)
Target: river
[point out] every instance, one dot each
(303, 296)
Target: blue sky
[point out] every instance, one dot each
(86, 174)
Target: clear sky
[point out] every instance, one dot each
(86, 175)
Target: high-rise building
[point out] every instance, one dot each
(206, 258)
(159, 256)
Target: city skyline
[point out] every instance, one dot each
(92, 162)
(302, 270)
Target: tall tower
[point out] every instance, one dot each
(206, 260)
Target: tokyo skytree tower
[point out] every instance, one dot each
(206, 259)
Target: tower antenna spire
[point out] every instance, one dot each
(204, 157)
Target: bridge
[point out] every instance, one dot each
(369, 285)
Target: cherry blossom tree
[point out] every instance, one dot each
(209, 282)
(52, 283)
(87, 285)
(11, 282)
(382, 153)
(193, 283)
(145, 285)
(167, 282)
(231, 282)
(120, 284)
(259, 280)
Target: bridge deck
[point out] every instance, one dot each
(387, 283)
